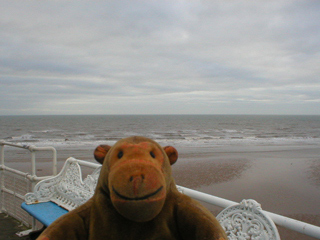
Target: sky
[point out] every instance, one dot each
(160, 57)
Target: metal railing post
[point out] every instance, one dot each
(2, 153)
(54, 162)
(1, 175)
(33, 163)
(33, 168)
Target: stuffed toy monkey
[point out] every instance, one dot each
(136, 198)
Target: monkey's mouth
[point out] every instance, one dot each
(137, 198)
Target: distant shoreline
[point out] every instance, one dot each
(184, 114)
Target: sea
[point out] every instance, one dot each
(181, 130)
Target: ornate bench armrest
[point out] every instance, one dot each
(247, 221)
(67, 188)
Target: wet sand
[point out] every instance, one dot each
(283, 179)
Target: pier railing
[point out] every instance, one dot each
(289, 223)
(14, 184)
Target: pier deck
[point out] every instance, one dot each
(9, 227)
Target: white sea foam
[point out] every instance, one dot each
(61, 131)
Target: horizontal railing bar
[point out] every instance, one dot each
(220, 202)
(295, 225)
(36, 179)
(12, 170)
(4, 189)
(289, 223)
(14, 145)
(29, 147)
(24, 174)
(84, 163)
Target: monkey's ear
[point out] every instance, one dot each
(172, 154)
(100, 152)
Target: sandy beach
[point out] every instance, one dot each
(283, 179)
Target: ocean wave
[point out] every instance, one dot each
(184, 130)
(47, 131)
(181, 142)
(23, 138)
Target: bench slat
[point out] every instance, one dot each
(46, 212)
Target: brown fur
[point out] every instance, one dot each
(164, 214)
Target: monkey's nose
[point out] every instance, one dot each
(136, 182)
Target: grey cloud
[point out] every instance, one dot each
(159, 52)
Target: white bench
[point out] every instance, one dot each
(57, 195)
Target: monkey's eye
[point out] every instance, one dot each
(152, 155)
(120, 154)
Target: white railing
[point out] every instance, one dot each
(33, 150)
(289, 223)
(14, 184)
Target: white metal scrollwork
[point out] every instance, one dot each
(247, 221)
(65, 189)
